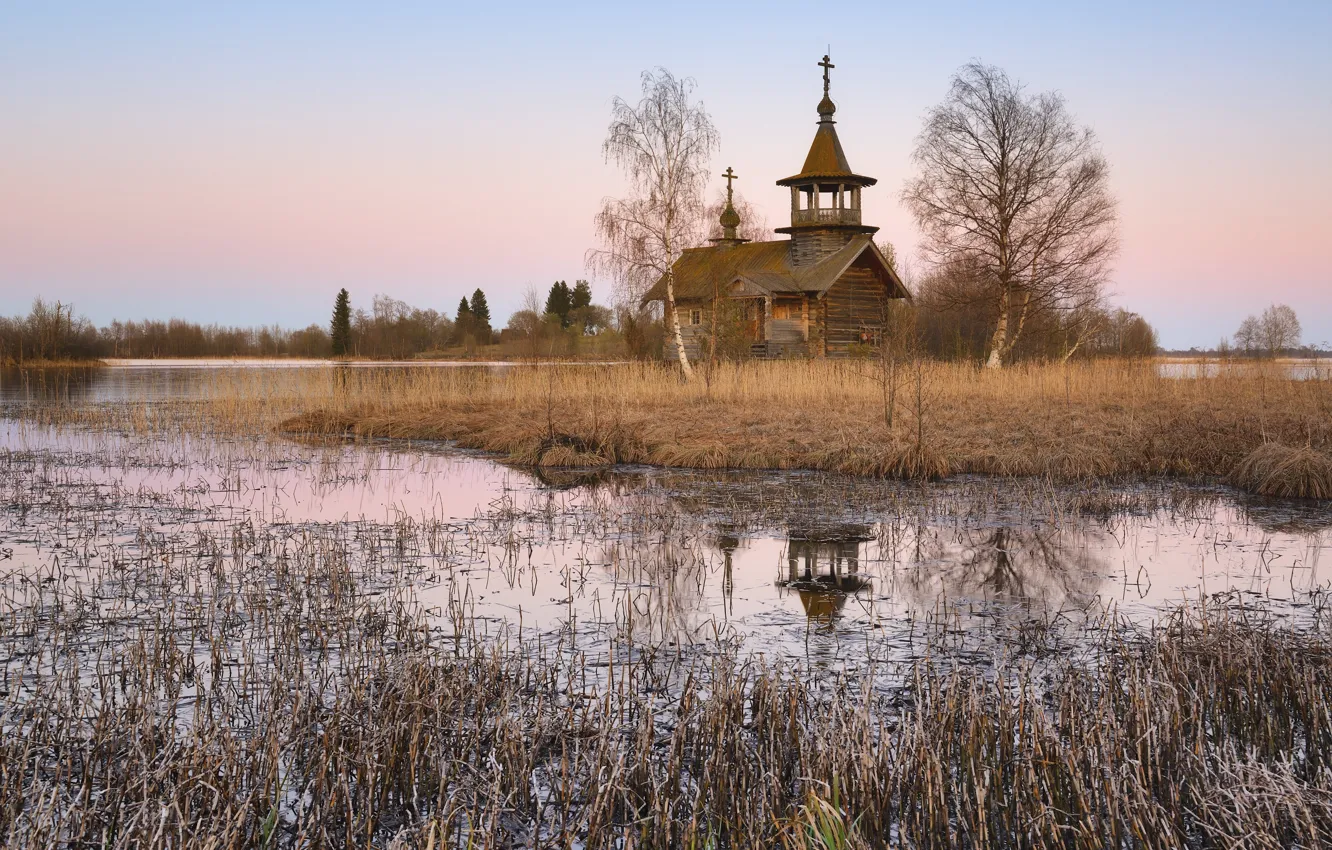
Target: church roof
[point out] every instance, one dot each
(826, 161)
(701, 272)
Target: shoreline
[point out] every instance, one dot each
(894, 461)
(1268, 435)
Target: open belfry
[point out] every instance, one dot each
(822, 292)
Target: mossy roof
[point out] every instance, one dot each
(826, 161)
(701, 272)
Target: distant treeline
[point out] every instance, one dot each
(390, 330)
(944, 322)
(53, 332)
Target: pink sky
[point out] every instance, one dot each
(240, 166)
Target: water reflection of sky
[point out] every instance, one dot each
(1302, 370)
(795, 564)
(137, 381)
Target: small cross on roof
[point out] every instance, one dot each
(826, 65)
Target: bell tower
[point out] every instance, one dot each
(825, 195)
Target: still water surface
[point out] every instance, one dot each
(792, 565)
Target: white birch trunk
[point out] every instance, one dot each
(997, 343)
(675, 327)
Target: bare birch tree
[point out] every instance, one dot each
(664, 145)
(1009, 185)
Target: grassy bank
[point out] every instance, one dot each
(1067, 422)
(1249, 423)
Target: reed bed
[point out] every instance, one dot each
(190, 668)
(1276, 470)
(294, 710)
(179, 676)
(1067, 422)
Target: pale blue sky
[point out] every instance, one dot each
(239, 162)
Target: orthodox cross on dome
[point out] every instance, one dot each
(729, 175)
(826, 65)
(730, 219)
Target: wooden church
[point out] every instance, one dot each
(820, 293)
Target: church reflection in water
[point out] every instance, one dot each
(824, 569)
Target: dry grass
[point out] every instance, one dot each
(1276, 470)
(59, 363)
(1066, 422)
(339, 721)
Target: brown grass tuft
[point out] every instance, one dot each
(917, 462)
(1276, 470)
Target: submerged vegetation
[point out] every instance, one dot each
(342, 723)
(194, 652)
(187, 668)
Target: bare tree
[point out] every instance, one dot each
(526, 322)
(897, 347)
(1009, 185)
(1279, 329)
(896, 341)
(1248, 338)
(663, 144)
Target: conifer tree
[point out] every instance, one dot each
(559, 302)
(481, 312)
(581, 296)
(462, 325)
(340, 329)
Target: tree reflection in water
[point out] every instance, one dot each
(661, 597)
(63, 385)
(1053, 568)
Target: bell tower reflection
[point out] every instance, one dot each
(823, 568)
(728, 543)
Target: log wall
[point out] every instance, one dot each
(810, 246)
(852, 305)
(696, 337)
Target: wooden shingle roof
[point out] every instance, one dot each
(702, 272)
(700, 269)
(826, 161)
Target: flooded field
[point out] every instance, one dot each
(209, 607)
(795, 565)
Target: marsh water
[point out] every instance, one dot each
(798, 567)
